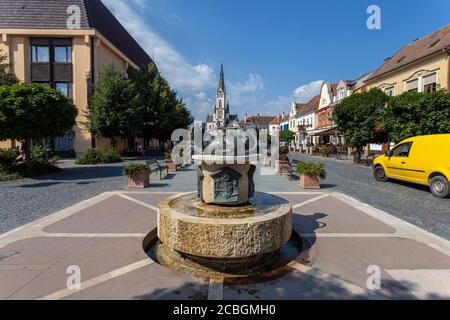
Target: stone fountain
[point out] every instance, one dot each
(225, 228)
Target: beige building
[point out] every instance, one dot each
(66, 44)
(421, 66)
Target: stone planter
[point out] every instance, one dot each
(139, 181)
(309, 182)
(281, 165)
(171, 166)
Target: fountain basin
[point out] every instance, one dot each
(262, 227)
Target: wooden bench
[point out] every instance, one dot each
(156, 167)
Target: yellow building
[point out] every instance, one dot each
(66, 44)
(421, 66)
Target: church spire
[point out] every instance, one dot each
(221, 85)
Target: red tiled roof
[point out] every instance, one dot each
(430, 44)
(276, 120)
(299, 106)
(311, 106)
(334, 88)
(260, 120)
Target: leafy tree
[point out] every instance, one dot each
(287, 136)
(413, 114)
(32, 111)
(359, 119)
(5, 77)
(113, 113)
(161, 112)
(146, 100)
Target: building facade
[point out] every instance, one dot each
(44, 46)
(421, 66)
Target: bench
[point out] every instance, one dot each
(156, 167)
(292, 170)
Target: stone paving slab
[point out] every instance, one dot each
(105, 235)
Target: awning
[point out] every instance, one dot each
(321, 131)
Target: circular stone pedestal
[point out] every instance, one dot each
(215, 236)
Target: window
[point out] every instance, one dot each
(429, 83)
(63, 54)
(412, 86)
(341, 94)
(65, 88)
(40, 54)
(390, 91)
(402, 150)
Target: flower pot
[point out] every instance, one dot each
(309, 182)
(171, 166)
(281, 165)
(140, 181)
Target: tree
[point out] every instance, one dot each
(287, 136)
(113, 113)
(161, 111)
(5, 77)
(413, 114)
(359, 119)
(32, 111)
(146, 99)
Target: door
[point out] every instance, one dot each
(401, 164)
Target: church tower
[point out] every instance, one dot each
(221, 110)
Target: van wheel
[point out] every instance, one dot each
(380, 174)
(440, 187)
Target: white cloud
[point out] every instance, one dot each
(302, 94)
(308, 91)
(253, 84)
(180, 74)
(244, 97)
(278, 106)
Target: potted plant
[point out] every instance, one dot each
(310, 174)
(171, 166)
(138, 175)
(283, 160)
(325, 151)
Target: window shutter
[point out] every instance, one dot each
(411, 85)
(429, 79)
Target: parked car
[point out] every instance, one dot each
(422, 160)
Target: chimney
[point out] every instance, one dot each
(284, 114)
(259, 114)
(245, 117)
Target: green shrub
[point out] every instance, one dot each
(9, 176)
(133, 169)
(7, 159)
(99, 156)
(312, 169)
(325, 151)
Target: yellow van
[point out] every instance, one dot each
(423, 160)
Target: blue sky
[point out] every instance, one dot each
(273, 51)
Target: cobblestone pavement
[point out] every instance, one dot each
(26, 200)
(409, 202)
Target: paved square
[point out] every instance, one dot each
(343, 240)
